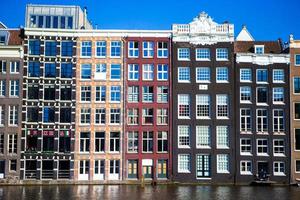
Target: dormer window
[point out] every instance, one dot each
(2, 40)
(259, 49)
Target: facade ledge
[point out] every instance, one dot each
(264, 59)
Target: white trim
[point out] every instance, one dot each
(265, 59)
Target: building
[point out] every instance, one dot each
(295, 109)
(148, 119)
(49, 91)
(262, 110)
(203, 101)
(11, 76)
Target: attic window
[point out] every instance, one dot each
(2, 40)
(259, 49)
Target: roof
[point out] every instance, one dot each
(248, 46)
(244, 35)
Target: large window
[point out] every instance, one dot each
(278, 121)
(86, 71)
(133, 72)
(115, 72)
(49, 92)
(148, 72)
(203, 137)
(85, 116)
(245, 94)
(50, 48)
(132, 141)
(115, 93)
(84, 141)
(147, 116)
(221, 54)
(133, 94)
(133, 116)
(115, 116)
(86, 48)
(132, 169)
(14, 88)
(183, 136)
(148, 95)
(183, 106)
(162, 116)
(202, 75)
(66, 70)
(245, 120)
(66, 48)
(222, 75)
(202, 106)
(14, 67)
(202, 54)
(162, 94)
(162, 142)
(114, 142)
(222, 163)
(279, 168)
(297, 85)
(297, 110)
(115, 49)
(222, 137)
(33, 69)
(184, 75)
(162, 72)
(262, 95)
(65, 115)
(246, 146)
(100, 116)
(278, 76)
(278, 95)
(12, 143)
(246, 167)
(261, 121)
(133, 49)
(297, 140)
(245, 75)
(49, 114)
(85, 93)
(203, 165)
(2, 88)
(184, 163)
(100, 71)
(34, 47)
(50, 70)
(162, 50)
(262, 147)
(222, 106)
(147, 141)
(148, 49)
(297, 59)
(100, 93)
(183, 54)
(278, 147)
(262, 76)
(99, 141)
(101, 49)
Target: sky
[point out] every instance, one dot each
(265, 19)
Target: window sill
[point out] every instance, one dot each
(182, 59)
(279, 155)
(246, 154)
(279, 174)
(262, 154)
(278, 103)
(223, 172)
(205, 118)
(204, 59)
(246, 173)
(246, 102)
(219, 59)
(261, 104)
(222, 81)
(184, 172)
(203, 82)
(184, 81)
(203, 147)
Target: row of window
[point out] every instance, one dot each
(47, 21)
(50, 70)
(100, 49)
(100, 72)
(246, 167)
(147, 170)
(12, 141)
(262, 95)
(48, 115)
(12, 117)
(14, 88)
(261, 75)
(148, 49)
(100, 116)
(49, 92)
(14, 67)
(12, 164)
(50, 48)
(202, 54)
(148, 72)
(147, 116)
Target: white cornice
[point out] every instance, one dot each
(11, 51)
(295, 44)
(265, 59)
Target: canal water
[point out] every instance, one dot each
(164, 192)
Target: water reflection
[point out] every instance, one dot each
(133, 192)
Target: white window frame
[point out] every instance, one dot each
(295, 58)
(202, 54)
(246, 117)
(281, 153)
(256, 47)
(85, 44)
(184, 135)
(162, 113)
(222, 134)
(203, 106)
(278, 91)
(132, 138)
(220, 102)
(100, 71)
(278, 115)
(223, 161)
(148, 51)
(203, 72)
(165, 51)
(115, 44)
(184, 163)
(278, 173)
(245, 147)
(225, 52)
(262, 118)
(133, 71)
(276, 74)
(203, 137)
(148, 72)
(189, 74)
(135, 51)
(244, 70)
(185, 100)
(163, 72)
(101, 44)
(99, 114)
(262, 146)
(245, 90)
(14, 67)
(262, 82)
(16, 88)
(218, 69)
(187, 54)
(114, 91)
(13, 116)
(133, 95)
(247, 162)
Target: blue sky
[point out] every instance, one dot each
(265, 19)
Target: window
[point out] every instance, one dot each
(2, 88)
(222, 106)
(203, 163)
(203, 137)
(100, 116)
(259, 49)
(133, 94)
(85, 93)
(202, 75)
(148, 72)
(100, 93)
(148, 49)
(162, 50)
(115, 93)
(48, 115)
(67, 48)
(202, 106)
(278, 95)
(2, 66)
(297, 59)
(221, 54)
(246, 167)
(115, 115)
(133, 49)
(133, 142)
(133, 72)
(246, 146)
(183, 74)
(261, 121)
(32, 114)
(162, 166)
(222, 163)
(1, 143)
(222, 75)
(12, 143)
(184, 165)
(162, 94)
(50, 70)
(2, 115)
(13, 116)
(62, 22)
(222, 137)
(297, 110)
(183, 106)
(65, 115)
(278, 121)
(55, 22)
(115, 72)
(132, 169)
(14, 88)
(278, 76)
(2, 40)
(85, 116)
(162, 72)
(50, 48)
(297, 167)
(147, 141)
(278, 147)
(86, 71)
(279, 169)
(245, 75)
(34, 69)
(148, 94)
(183, 54)
(65, 92)
(202, 54)
(114, 142)
(261, 76)
(14, 67)
(84, 167)
(262, 95)
(262, 147)
(147, 116)
(13, 165)
(245, 120)
(183, 137)
(99, 141)
(86, 48)
(101, 49)
(66, 70)
(162, 142)
(297, 85)
(114, 167)
(100, 72)
(133, 116)
(162, 116)
(34, 47)
(49, 92)
(115, 49)
(297, 140)
(245, 94)
(70, 23)
(84, 142)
